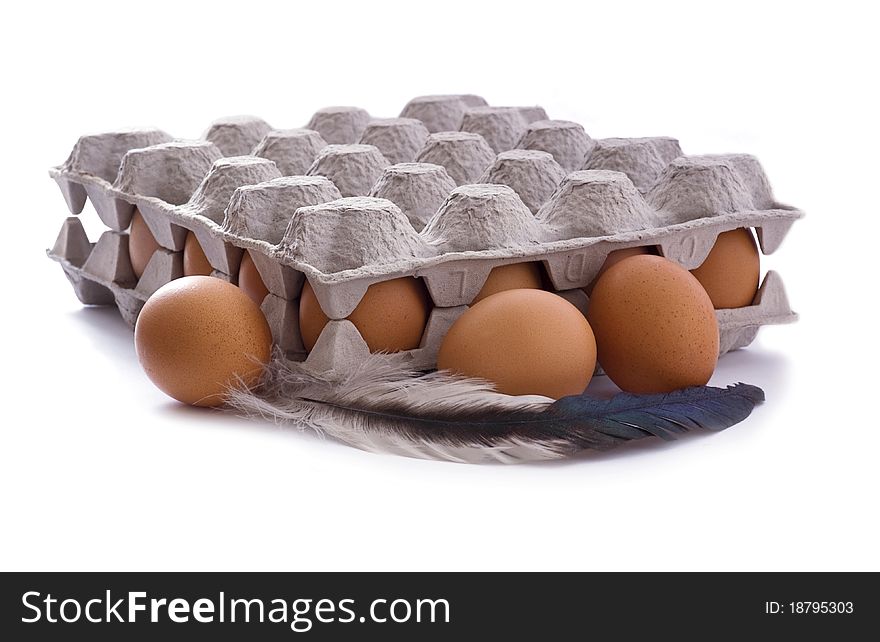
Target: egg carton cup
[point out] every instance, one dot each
(449, 222)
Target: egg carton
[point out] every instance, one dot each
(167, 180)
(462, 208)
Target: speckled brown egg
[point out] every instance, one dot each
(391, 316)
(514, 276)
(732, 269)
(197, 335)
(195, 263)
(141, 244)
(528, 342)
(616, 257)
(655, 326)
(250, 281)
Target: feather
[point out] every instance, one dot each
(382, 406)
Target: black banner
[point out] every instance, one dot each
(432, 606)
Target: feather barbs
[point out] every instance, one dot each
(382, 406)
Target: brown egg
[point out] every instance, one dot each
(195, 263)
(391, 317)
(525, 341)
(614, 258)
(250, 281)
(197, 335)
(515, 276)
(141, 244)
(655, 327)
(731, 272)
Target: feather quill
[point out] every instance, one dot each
(383, 406)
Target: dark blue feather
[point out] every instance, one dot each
(626, 417)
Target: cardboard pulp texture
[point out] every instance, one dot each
(472, 187)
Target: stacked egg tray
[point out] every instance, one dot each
(446, 192)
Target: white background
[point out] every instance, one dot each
(100, 471)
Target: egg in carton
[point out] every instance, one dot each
(634, 192)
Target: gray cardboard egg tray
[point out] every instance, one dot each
(438, 193)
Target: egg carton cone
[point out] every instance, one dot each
(328, 204)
